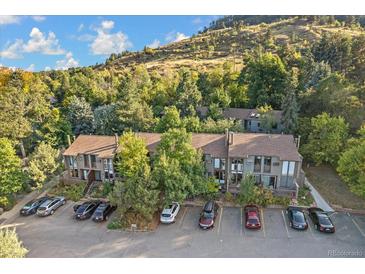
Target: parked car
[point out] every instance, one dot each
(321, 220)
(50, 206)
(208, 215)
(169, 213)
(296, 218)
(85, 210)
(252, 217)
(103, 211)
(32, 206)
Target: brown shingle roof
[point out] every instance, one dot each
(210, 143)
(244, 144)
(282, 146)
(102, 146)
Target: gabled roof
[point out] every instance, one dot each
(280, 145)
(244, 145)
(99, 145)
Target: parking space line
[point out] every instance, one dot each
(310, 230)
(220, 221)
(183, 216)
(358, 227)
(263, 222)
(285, 224)
(241, 228)
(11, 225)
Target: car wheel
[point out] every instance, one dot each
(52, 212)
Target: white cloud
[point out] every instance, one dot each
(13, 51)
(106, 43)
(67, 62)
(175, 37)
(107, 25)
(86, 37)
(81, 27)
(47, 68)
(155, 44)
(31, 68)
(39, 42)
(9, 19)
(38, 18)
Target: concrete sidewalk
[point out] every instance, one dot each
(9, 216)
(320, 201)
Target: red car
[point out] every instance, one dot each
(252, 217)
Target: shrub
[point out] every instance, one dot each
(228, 197)
(10, 246)
(115, 224)
(72, 192)
(102, 191)
(304, 196)
(212, 189)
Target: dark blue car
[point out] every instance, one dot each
(31, 207)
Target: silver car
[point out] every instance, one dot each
(169, 213)
(50, 206)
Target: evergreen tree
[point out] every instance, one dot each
(188, 95)
(290, 109)
(80, 116)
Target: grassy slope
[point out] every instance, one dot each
(328, 183)
(228, 44)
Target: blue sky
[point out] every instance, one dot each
(58, 42)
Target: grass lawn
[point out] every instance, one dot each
(329, 185)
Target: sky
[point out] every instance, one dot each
(37, 43)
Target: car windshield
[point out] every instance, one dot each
(28, 205)
(298, 217)
(208, 215)
(166, 215)
(324, 220)
(81, 208)
(100, 208)
(252, 220)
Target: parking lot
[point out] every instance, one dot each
(62, 236)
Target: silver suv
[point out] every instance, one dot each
(50, 206)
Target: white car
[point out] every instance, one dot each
(169, 213)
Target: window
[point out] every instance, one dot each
(71, 161)
(93, 161)
(237, 166)
(236, 178)
(219, 176)
(257, 164)
(97, 175)
(219, 163)
(86, 160)
(74, 173)
(287, 173)
(267, 164)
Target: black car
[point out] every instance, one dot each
(31, 207)
(208, 215)
(321, 220)
(102, 212)
(85, 210)
(296, 218)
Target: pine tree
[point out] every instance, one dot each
(290, 112)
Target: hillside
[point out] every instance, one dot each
(220, 43)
